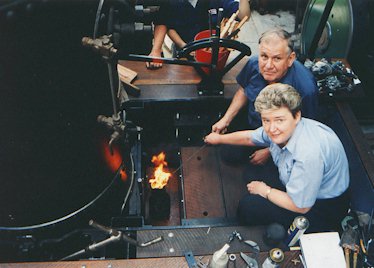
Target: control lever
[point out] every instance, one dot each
(115, 236)
(126, 238)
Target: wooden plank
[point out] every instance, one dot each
(201, 241)
(125, 74)
(171, 74)
(171, 262)
(203, 196)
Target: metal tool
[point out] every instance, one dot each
(115, 236)
(190, 259)
(355, 255)
(232, 259)
(349, 243)
(254, 247)
(235, 234)
(201, 264)
(189, 158)
(251, 262)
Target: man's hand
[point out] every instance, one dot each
(213, 138)
(154, 65)
(221, 126)
(260, 157)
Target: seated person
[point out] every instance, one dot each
(311, 161)
(183, 19)
(276, 63)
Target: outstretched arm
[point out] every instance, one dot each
(235, 138)
(239, 101)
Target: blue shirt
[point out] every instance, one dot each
(251, 80)
(313, 164)
(187, 20)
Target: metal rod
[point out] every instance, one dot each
(219, 19)
(134, 57)
(188, 159)
(210, 14)
(112, 89)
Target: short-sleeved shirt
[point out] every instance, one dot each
(187, 20)
(312, 165)
(297, 76)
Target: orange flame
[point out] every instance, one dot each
(113, 161)
(161, 177)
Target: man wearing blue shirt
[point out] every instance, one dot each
(183, 19)
(276, 63)
(311, 161)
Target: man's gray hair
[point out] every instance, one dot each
(276, 96)
(279, 32)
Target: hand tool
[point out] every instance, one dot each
(347, 255)
(355, 254)
(235, 234)
(348, 243)
(190, 259)
(201, 264)
(254, 247)
(251, 263)
(190, 157)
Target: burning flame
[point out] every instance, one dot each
(113, 161)
(161, 177)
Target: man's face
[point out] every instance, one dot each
(279, 124)
(274, 58)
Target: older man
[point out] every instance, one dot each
(311, 161)
(276, 63)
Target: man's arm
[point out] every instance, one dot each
(239, 101)
(235, 138)
(158, 40)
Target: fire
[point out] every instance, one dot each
(113, 161)
(161, 177)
